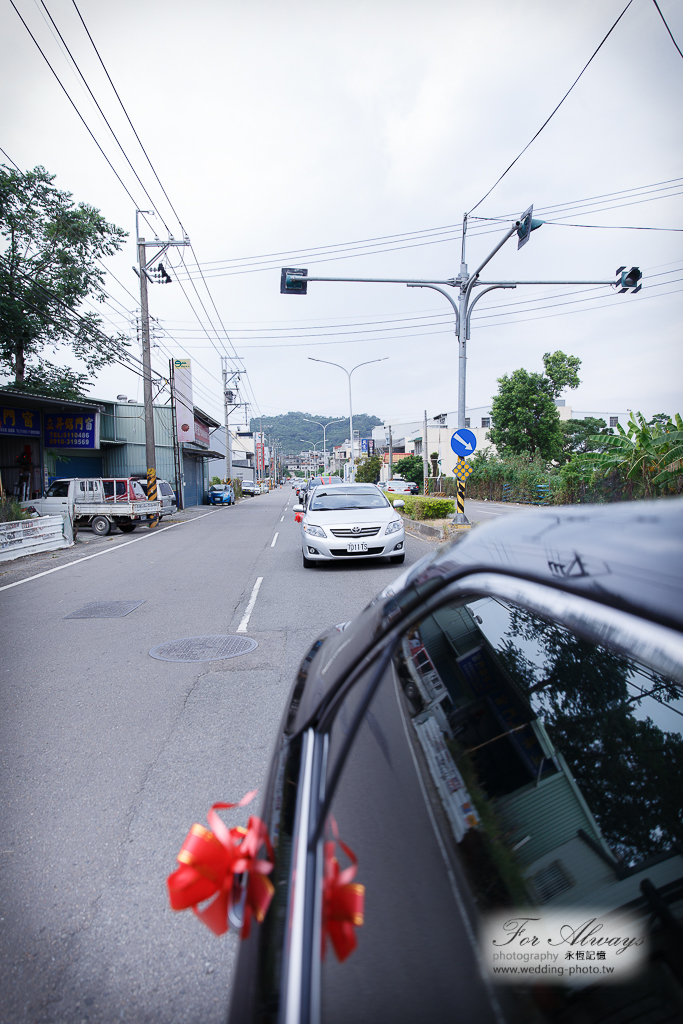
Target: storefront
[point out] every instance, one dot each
(41, 438)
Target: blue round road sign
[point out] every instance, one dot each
(463, 442)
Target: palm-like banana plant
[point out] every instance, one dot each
(643, 451)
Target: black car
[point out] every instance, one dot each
(495, 739)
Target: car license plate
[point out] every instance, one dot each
(357, 546)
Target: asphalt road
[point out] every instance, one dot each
(109, 755)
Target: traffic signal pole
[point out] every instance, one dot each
(295, 281)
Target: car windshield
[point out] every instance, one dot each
(325, 500)
(219, 487)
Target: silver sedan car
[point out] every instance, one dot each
(351, 521)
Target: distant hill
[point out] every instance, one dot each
(291, 427)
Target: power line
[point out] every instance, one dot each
(548, 119)
(608, 227)
(10, 159)
(667, 27)
(75, 64)
(64, 90)
(126, 113)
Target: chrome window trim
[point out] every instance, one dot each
(656, 646)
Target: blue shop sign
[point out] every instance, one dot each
(19, 422)
(75, 429)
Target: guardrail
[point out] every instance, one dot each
(26, 536)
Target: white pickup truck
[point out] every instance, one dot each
(85, 500)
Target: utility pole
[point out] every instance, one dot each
(158, 275)
(391, 456)
(425, 463)
(228, 401)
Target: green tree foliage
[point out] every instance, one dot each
(44, 378)
(648, 452)
(48, 267)
(368, 470)
(578, 436)
(292, 426)
(410, 468)
(629, 770)
(525, 418)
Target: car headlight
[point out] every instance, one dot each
(315, 531)
(394, 525)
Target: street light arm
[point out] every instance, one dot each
(493, 252)
(367, 364)
(491, 288)
(449, 297)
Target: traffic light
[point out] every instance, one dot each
(290, 287)
(525, 225)
(628, 280)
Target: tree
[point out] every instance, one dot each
(411, 468)
(578, 436)
(525, 418)
(650, 452)
(368, 470)
(48, 267)
(55, 381)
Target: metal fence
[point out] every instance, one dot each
(27, 536)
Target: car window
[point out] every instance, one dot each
(166, 489)
(505, 758)
(325, 500)
(59, 489)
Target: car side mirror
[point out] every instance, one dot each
(297, 508)
(398, 503)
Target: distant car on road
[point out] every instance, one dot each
(221, 494)
(250, 488)
(350, 521)
(402, 487)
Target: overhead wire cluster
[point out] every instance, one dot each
(217, 335)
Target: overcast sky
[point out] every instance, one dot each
(291, 127)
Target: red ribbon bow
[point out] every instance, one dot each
(298, 517)
(213, 863)
(343, 900)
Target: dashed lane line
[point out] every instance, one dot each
(242, 628)
(275, 540)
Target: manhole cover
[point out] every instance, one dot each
(105, 610)
(203, 648)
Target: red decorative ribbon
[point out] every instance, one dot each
(343, 899)
(214, 863)
(298, 517)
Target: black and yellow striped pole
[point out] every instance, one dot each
(462, 471)
(152, 495)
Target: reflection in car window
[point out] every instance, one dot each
(337, 500)
(556, 767)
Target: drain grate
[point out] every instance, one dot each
(105, 610)
(204, 648)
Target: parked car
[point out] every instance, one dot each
(477, 740)
(123, 489)
(250, 488)
(402, 487)
(351, 521)
(165, 494)
(85, 500)
(221, 494)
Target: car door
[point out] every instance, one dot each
(489, 746)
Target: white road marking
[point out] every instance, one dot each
(485, 512)
(275, 540)
(282, 519)
(242, 628)
(107, 551)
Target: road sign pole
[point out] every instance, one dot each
(460, 508)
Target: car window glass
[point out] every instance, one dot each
(59, 489)
(339, 499)
(166, 489)
(532, 766)
(121, 488)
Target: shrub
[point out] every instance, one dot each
(423, 507)
(11, 511)
(237, 487)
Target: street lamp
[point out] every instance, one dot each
(348, 374)
(307, 440)
(324, 426)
